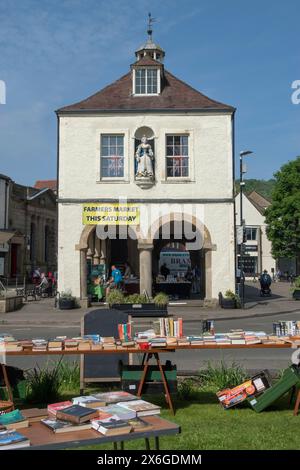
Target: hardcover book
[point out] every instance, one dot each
(112, 426)
(76, 414)
(55, 407)
(59, 426)
(114, 397)
(141, 407)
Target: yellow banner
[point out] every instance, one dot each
(110, 214)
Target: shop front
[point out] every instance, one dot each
(141, 246)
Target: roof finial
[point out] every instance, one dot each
(149, 30)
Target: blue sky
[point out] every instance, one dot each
(56, 52)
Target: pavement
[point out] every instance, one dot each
(43, 312)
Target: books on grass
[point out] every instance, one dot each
(112, 426)
(118, 410)
(109, 398)
(55, 407)
(59, 426)
(141, 408)
(12, 440)
(76, 414)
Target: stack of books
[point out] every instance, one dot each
(109, 398)
(286, 328)
(38, 344)
(68, 417)
(13, 420)
(168, 327)
(10, 440)
(55, 345)
(108, 342)
(125, 331)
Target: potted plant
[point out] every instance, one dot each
(66, 301)
(139, 305)
(229, 300)
(296, 289)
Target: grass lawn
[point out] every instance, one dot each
(205, 425)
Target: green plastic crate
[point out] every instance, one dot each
(289, 379)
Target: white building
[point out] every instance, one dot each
(180, 177)
(258, 254)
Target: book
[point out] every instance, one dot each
(77, 414)
(12, 440)
(114, 397)
(59, 426)
(24, 423)
(141, 407)
(139, 425)
(112, 426)
(34, 415)
(13, 417)
(55, 407)
(118, 410)
(88, 401)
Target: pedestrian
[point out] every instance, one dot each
(115, 280)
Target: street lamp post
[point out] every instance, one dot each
(242, 223)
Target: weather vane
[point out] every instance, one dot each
(150, 23)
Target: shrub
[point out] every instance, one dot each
(186, 389)
(161, 299)
(222, 376)
(115, 296)
(69, 375)
(67, 295)
(43, 384)
(137, 299)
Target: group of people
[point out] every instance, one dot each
(44, 281)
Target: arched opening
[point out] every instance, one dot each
(183, 245)
(100, 248)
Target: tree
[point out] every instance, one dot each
(283, 216)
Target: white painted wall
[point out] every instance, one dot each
(210, 149)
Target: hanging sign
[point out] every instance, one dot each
(110, 214)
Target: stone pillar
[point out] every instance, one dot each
(103, 251)
(97, 253)
(83, 275)
(145, 258)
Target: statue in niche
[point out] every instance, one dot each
(144, 157)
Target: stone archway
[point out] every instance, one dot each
(207, 246)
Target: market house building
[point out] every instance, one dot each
(166, 150)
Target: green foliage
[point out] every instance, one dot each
(67, 295)
(283, 216)
(136, 299)
(222, 376)
(115, 296)
(69, 376)
(263, 187)
(186, 389)
(230, 295)
(161, 299)
(43, 384)
(297, 282)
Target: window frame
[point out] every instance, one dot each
(102, 156)
(134, 81)
(188, 156)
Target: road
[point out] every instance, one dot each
(185, 360)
